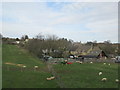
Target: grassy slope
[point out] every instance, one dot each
(73, 76)
(14, 78)
(86, 75)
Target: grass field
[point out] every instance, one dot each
(14, 78)
(71, 76)
(86, 75)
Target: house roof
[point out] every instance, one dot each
(95, 51)
(87, 50)
(83, 48)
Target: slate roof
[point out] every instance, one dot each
(95, 51)
(83, 48)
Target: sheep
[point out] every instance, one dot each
(80, 62)
(35, 66)
(104, 63)
(52, 78)
(24, 66)
(66, 60)
(117, 80)
(77, 61)
(48, 78)
(104, 79)
(100, 73)
(109, 64)
(91, 62)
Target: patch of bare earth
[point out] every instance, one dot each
(19, 65)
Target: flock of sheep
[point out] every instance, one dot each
(105, 79)
(100, 73)
(80, 62)
(35, 68)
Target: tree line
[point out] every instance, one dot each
(50, 45)
(54, 46)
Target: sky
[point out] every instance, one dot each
(79, 21)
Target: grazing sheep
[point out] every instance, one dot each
(24, 66)
(52, 78)
(91, 62)
(117, 80)
(20, 65)
(35, 66)
(104, 63)
(109, 64)
(80, 62)
(104, 79)
(66, 60)
(100, 73)
(77, 61)
(48, 78)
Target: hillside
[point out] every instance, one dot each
(15, 76)
(76, 75)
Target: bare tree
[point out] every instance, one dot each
(24, 37)
(40, 36)
(55, 46)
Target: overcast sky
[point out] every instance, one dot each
(79, 21)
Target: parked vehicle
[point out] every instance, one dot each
(46, 57)
(117, 59)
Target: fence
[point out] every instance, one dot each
(58, 60)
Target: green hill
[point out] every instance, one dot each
(68, 76)
(15, 76)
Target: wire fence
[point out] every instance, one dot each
(59, 60)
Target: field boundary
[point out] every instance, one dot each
(57, 77)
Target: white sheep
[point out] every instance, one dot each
(100, 73)
(104, 63)
(109, 64)
(80, 62)
(104, 79)
(35, 66)
(116, 80)
(48, 78)
(24, 66)
(77, 61)
(52, 77)
(91, 62)
(66, 60)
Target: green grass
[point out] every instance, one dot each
(72, 76)
(12, 53)
(28, 78)
(86, 75)
(31, 79)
